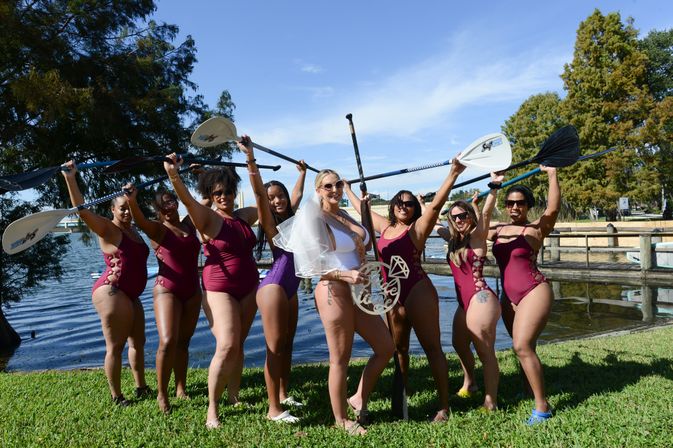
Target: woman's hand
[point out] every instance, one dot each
(130, 191)
(301, 166)
(548, 169)
(352, 277)
(456, 166)
(71, 169)
(476, 198)
(245, 145)
(172, 164)
(498, 177)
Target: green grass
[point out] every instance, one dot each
(612, 391)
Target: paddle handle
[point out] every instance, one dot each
(281, 156)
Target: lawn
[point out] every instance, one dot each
(614, 391)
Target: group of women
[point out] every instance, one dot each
(318, 239)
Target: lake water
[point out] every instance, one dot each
(60, 329)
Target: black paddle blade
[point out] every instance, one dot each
(128, 163)
(562, 148)
(24, 181)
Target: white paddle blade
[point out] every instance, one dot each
(29, 230)
(491, 152)
(214, 131)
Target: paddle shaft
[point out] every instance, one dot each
(537, 170)
(403, 171)
(281, 156)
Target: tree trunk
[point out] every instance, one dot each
(9, 339)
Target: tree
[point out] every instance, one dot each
(608, 101)
(535, 120)
(658, 45)
(89, 80)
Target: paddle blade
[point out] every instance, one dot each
(126, 164)
(24, 181)
(213, 132)
(27, 231)
(491, 152)
(562, 148)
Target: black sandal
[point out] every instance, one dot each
(121, 401)
(142, 392)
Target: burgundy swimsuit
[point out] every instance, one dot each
(469, 277)
(178, 258)
(405, 248)
(126, 268)
(518, 266)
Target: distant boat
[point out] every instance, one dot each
(664, 259)
(153, 270)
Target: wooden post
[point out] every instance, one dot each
(586, 247)
(612, 241)
(645, 252)
(646, 303)
(555, 243)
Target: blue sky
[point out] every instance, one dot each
(422, 79)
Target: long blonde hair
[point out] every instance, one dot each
(458, 243)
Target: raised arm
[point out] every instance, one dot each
(482, 229)
(205, 220)
(548, 218)
(264, 214)
(379, 222)
(154, 229)
(298, 190)
(425, 224)
(103, 227)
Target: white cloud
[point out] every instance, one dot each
(311, 68)
(468, 74)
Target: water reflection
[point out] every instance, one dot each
(68, 334)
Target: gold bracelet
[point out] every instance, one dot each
(337, 274)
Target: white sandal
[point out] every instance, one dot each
(284, 417)
(290, 401)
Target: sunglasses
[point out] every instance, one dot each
(339, 185)
(219, 193)
(462, 216)
(520, 203)
(407, 204)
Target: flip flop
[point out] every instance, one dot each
(467, 393)
(355, 429)
(290, 401)
(538, 417)
(284, 417)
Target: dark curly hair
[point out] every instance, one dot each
(525, 191)
(397, 199)
(225, 176)
(277, 219)
(158, 202)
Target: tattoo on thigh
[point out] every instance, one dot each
(112, 291)
(482, 296)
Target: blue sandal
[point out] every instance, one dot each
(539, 417)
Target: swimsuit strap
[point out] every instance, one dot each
(384, 230)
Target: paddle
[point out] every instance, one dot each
(133, 161)
(31, 179)
(491, 152)
(537, 170)
(219, 130)
(27, 231)
(562, 148)
(398, 397)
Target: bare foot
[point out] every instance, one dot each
(352, 428)
(213, 424)
(182, 395)
(440, 417)
(164, 405)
